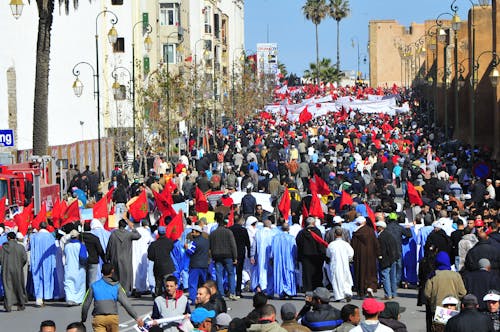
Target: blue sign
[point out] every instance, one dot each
(7, 137)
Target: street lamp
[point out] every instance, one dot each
(78, 85)
(16, 7)
(117, 87)
(148, 43)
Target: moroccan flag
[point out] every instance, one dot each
(23, 219)
(139, 208)
(165, 207)
(371, 215)
(175, 227)
(305, 214)
(305, 116)
(323, 188)
(201, 204)
(40, 217)
(170, 186)
(285, 204)
(230, 217)
(318, 239)
(71, 213)
(315, 210)
(100, 208)
(345, 199)
(109, 194)
(166, 194)
(2, 208)
(413, 195)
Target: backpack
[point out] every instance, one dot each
(83, 255)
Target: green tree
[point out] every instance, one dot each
(315, 11)
(327, 72)
(338, 10)
(283, 71)
(40, 106)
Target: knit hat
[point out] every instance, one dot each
(443, 261)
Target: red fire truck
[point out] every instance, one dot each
(25, 182)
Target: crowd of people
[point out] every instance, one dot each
(337, 207)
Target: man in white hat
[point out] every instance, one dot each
(492, 299)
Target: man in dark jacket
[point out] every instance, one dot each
(387, 259)
(482, 249)
(95, 251)
(225, 255)
(198, 262)
(323, 316)
(243, 248)
(479, 282)
(399, 232)
(159, 254)
(439, 239)
(312, 255)
(469, 318)
(248, 204)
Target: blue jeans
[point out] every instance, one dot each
(227, 265)
(195, 275)
(92, 270)
(399, 270)
(389, 280)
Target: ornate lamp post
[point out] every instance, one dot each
(78, 85)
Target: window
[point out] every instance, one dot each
(116, 2)
(169, 53)
(169, 14)
(207, 12)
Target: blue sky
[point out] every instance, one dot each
(295, 35)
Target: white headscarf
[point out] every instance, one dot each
(95, 224)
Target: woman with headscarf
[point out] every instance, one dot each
(443, 283)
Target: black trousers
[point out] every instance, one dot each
(239, 274)
(312, 272)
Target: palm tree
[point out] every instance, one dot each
(339, 9)
(315, 11)
(327, 72)
(40, 113)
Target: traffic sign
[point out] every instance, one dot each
(6, 137)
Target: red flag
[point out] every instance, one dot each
(57, 212)
(318, 239)
(166, 194)
(106, 223)
(71, 213)
(371, 215)
(165, 207)
(100, 208)
(305, 116)
(175, 227)
(285, 204)
(201, 204)
(2, 208)
(139, 208)
(230, 218)
(315, 210)
(345, 199)
(323, 188)
(414, 195)
(305, 214)
(23, 219)
(170, 186)
(109, 194)
(40, 217)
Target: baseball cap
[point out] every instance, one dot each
(449, 300)
(288, 311)
(492, 295)
(372, 306)
(200, 314)
(478, 223)
(223, 319)
(196, 228)
(338, 219)
(322, 293)
(381, 224)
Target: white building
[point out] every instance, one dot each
(177, 25)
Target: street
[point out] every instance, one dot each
(29, 320)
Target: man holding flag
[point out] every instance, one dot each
(311, 254)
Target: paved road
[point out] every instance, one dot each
(29, 320)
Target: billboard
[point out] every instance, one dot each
(267, 58)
